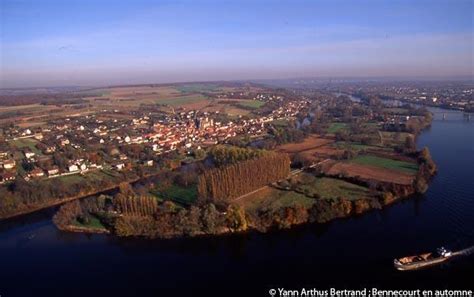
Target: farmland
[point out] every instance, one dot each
(274, 199)
(369, 172)
(402, 166)
(335, 127)
(253, 104)
(311, 142)
(331, 188)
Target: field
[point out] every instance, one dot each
(402, 166)
(368, 172)
(394, 138)
(253, 104)
(335, 127)
(359, 147)
(183, 100)
(273, 199)
(193, 88)
(331, 188)
(308, 143)
(135, 96)
(26, 142)
(94, 223)
(181, 195)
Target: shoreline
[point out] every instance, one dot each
(61, 201)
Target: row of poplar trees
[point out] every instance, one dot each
(136, 205)
(232, 181)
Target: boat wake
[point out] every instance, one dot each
(464, 252)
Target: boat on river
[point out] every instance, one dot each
(424, 260)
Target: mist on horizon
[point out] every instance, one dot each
(55, 43)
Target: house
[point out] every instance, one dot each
(119, 166)
(148, 163)
(50, 149)
(37, 172)
(7, 177)
(9, 164)
(28, 153)
(73, 168)
(64, 142)
(53, 171)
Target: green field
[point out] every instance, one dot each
(192, 88)
(26, 142)
(181, 195)
(254, 104)
(69, 180)
(331, 188)
(94, 223)
(402, 166)
(359, 146)
(181, 100)
(335, 127)
(275, 199)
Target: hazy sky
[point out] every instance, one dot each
(87, 42)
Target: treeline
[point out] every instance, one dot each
(224, 155)
(170, 221)
(23, 195)
(238, 179)
(427, 168)
(141, 205)
(45, 99)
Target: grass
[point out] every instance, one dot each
(359, 146)
(331, 188)
(274, 199)
(335, 127)
(26, 142)
(94, 223)
(181, 195)
(394, 138)
(254, 104)
(192, 88)
(69, 180)
(181, 100)
(402, 166)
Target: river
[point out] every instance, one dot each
(38, 260)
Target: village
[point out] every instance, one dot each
(69, 146)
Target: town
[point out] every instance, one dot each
(70, 145)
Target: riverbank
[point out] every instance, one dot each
(40, 206)
(150, 220)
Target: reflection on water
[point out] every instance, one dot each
(349, 253)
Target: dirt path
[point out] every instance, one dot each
(292, 173)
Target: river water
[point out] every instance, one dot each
(38, 260)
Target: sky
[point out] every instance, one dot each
(102, 42)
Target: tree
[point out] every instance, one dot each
(235, 217)
(210, 218)
(410, 144)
